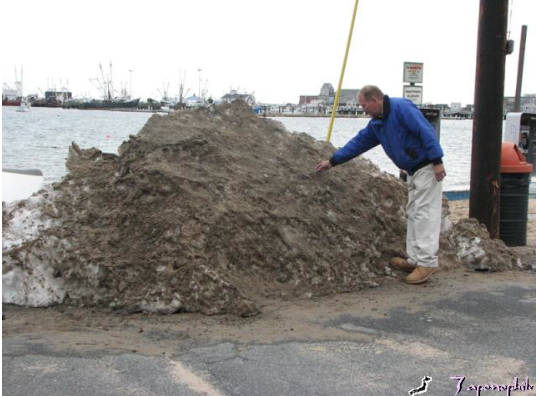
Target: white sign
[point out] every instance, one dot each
(413, 93)
(413, 72)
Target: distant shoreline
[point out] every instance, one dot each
(340, 116)
(260, 115)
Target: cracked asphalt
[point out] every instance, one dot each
(478, 326)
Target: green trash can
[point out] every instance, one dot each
(515, 181)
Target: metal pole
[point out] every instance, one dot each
(336, 102)
(199, 70)
(484, 197)
(517, 103)
(130, 71)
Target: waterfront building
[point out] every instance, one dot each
(326, 96)
(308, 99)
(348, 97)
(327, 93)
(194, 101)
(528, 104)
(234, 95)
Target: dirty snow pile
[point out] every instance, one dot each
(211, 210)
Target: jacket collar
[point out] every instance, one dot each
(386, 108)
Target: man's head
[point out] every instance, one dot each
(370, 99)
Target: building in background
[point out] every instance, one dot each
(327, 94)
(194, 101)
(528, 104)
(326, 97)
(348, 97)
(308, 99)
(234, 95)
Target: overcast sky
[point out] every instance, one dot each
(278, 49)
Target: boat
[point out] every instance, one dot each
(10, 102)
(12, 96)
(109, 101)
(15, 97)
(20, 183)
(53, 98)
(103, 104)
(24, 107)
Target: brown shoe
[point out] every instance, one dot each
(402, 264)
(420, 275)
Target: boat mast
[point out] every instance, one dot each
(182, 81)
(111, 82)
(105, 94)
(130, 93)
(18, 83)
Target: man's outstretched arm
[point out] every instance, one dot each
(363, 141)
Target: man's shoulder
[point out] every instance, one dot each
(401, 102)
(404, 107)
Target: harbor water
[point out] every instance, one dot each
(40, 138)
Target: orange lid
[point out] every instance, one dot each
(512, 160)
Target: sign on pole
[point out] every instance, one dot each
(413, 93)
(413, 72)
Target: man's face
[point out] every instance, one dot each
(373, 107)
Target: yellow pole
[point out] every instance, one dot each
(336, 103)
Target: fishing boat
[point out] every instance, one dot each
(109, 101)
(105, 104)
(10, 102)
(12, 96)
(24, 106)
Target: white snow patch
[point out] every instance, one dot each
(33, 283)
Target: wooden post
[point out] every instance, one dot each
(484, 199)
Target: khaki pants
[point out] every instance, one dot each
(424, 217)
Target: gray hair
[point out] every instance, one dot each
(371, 91)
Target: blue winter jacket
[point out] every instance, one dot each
(407, 138)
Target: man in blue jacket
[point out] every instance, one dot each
(411, 143)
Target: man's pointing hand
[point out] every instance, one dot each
(323, 166)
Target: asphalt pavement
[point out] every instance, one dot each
(485, 334)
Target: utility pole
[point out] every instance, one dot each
(517, 103)
(484, 198)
